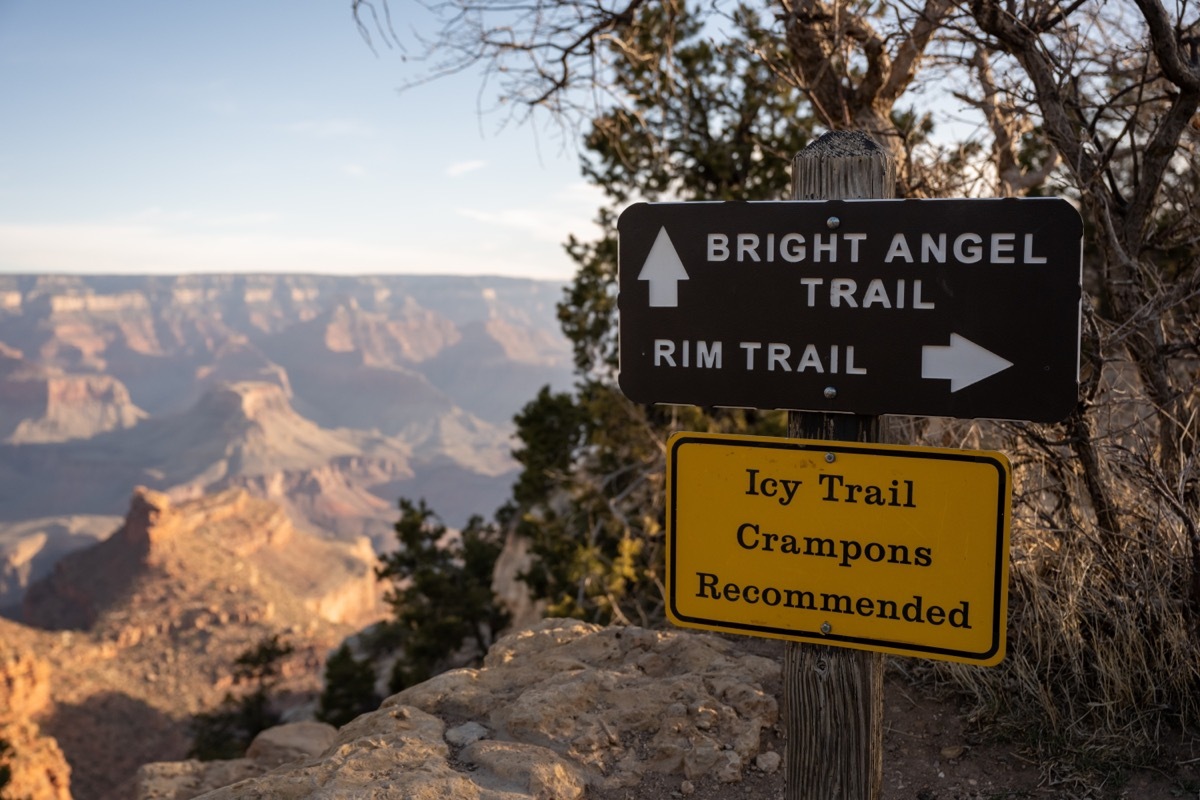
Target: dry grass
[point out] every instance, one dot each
(1102, 661)
(1103, 664)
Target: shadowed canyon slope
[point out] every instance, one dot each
(332, 396)
(134, 635)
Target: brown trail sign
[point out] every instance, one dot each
(959, 308)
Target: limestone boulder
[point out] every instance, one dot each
(180, 780)
(290, 742)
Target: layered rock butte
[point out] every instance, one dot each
(138, 633)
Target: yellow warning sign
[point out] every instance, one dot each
(877, 547)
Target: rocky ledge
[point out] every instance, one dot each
(561, 710)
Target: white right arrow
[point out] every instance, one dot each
(962, 363)
(663, 270)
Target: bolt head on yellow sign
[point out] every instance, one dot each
(877, 547)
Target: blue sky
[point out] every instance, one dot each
(164, 136)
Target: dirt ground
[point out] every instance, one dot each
(932, 753)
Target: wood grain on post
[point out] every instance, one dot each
(833, 696)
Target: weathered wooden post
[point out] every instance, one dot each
(833, 696)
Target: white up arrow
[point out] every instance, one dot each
(962, 363)
(663, 270)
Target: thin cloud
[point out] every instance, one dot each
(543, 224)
(463, 167)
(140, 248)
(155, 216)
(582, 194)
(573, 212)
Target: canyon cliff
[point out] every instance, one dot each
(190, 465)
(138, 633)
(332, 396)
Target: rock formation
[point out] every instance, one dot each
(141, 631)
(560, 710)
(270, 749)
(37, 768)
(41, 405)
(203, 540)
(333, 396)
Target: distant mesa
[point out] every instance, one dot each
(185, 551)
(236, 407)
(40, 404)
(237, 360)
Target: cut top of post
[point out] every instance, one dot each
(843, 165)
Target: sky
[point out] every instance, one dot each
(180, 136)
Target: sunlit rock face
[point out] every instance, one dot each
(38, 770)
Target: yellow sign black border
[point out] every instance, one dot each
(998, 623)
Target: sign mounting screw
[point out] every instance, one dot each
(830, 457)
(826, 628)
(833, 223)
(830, 392)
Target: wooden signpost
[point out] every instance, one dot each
(833, 697)
(711, 332)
